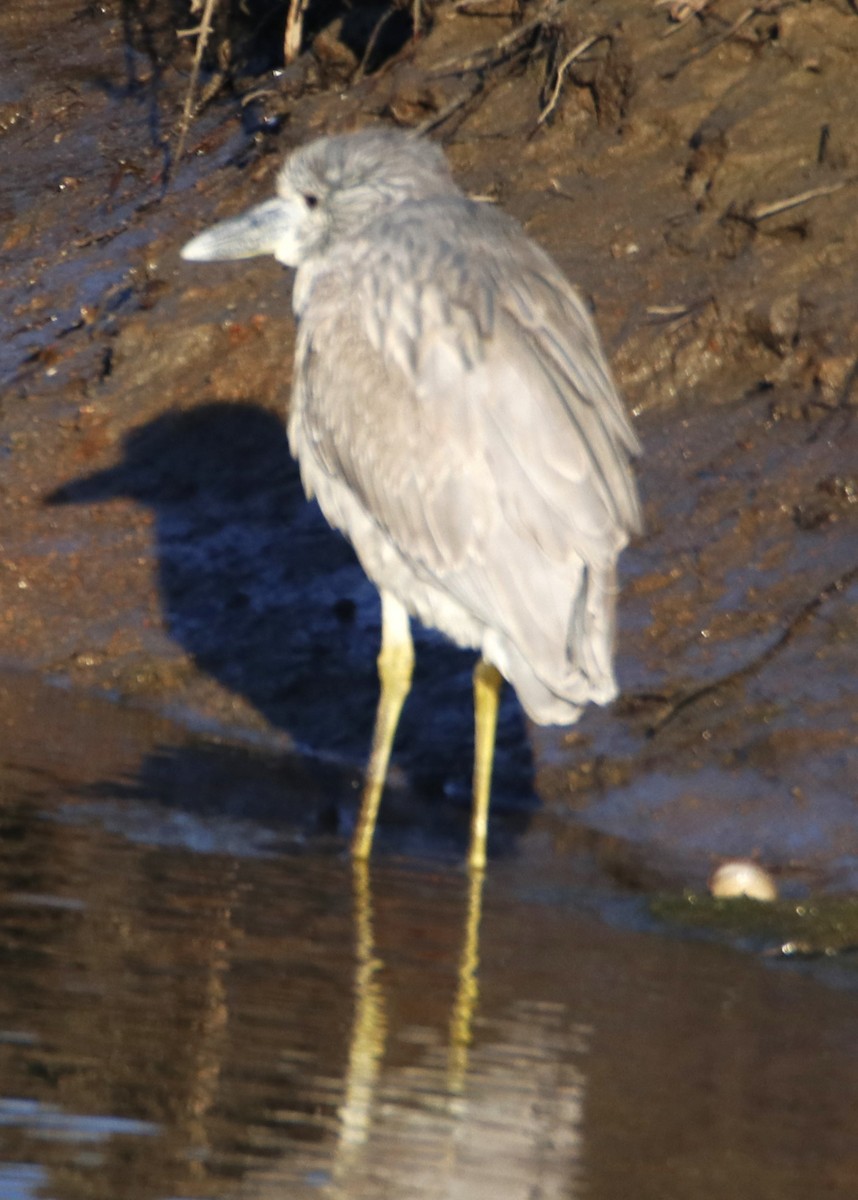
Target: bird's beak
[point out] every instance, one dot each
(268, 228)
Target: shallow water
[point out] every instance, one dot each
(202, 1005)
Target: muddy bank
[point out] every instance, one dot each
(698, 182)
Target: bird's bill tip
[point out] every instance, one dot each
(255, 232)
(198, 249)
(220, 242)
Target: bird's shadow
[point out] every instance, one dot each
(268, 600)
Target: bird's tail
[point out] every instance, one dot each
(581, 671)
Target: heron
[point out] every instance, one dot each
(454, 415)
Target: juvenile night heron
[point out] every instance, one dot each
(454, 416)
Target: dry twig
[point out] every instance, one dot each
(681, 11)
(701, 51)
(202, 35)
(753, 214)
(674, 705)
(567, 62)
(762, 211)
(294, 31)
(483, 61)
(491, 56)
(450, 109)
(372, 43)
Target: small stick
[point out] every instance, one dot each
(464, 7)
(294, 30)
(202, 35)
(675, 704)
(567, 62)
(762, 211)
(701, 51)
(371, 44)
(447, 111)
(681, 11)
(492, 55)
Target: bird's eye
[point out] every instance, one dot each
(310, 200)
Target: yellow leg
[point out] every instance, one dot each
(395, 667)
(487, 688)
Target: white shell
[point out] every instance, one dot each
(740, 877)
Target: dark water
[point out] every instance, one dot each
(216, 1005)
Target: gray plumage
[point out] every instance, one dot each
(452, 409)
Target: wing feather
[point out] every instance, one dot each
(452, 380)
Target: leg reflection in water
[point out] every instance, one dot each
(370, 1026)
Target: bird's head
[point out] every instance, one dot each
(327, 192)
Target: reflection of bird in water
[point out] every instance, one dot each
(496, 1106)
(454, 416)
